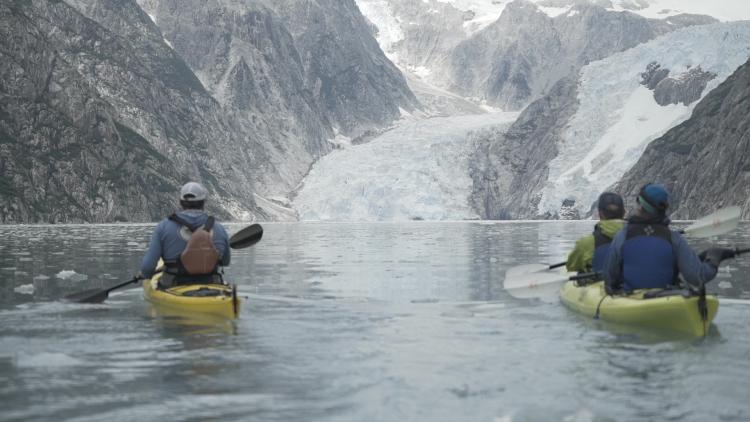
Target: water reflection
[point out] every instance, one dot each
(349, 322)
(394, 262)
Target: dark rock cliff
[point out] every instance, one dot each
(292, 73)
(345, 69)
(67, 155)
(508, 169)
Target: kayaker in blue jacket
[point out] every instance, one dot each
(170, 239)
(647, 254)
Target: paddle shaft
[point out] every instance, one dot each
(585, 276)
(97, 295)
(131, 281)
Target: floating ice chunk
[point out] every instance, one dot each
(725, 285)
(26, 289)
(71, 275)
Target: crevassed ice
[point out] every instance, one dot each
(418, 170)
(389, 28)
(618, 117)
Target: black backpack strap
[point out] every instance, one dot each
(209, 223)
(174, 217)
(600, 238)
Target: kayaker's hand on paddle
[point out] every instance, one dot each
(714, 256)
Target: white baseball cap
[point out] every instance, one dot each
(193, 191)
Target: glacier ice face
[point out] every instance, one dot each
(618, 117)
(418, 170)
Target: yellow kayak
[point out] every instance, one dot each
(673, 313)
(213, 299)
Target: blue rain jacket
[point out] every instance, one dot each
(646, 254)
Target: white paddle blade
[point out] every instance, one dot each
(534, 280)
(549, 292)
(720, 222)
(525, 269)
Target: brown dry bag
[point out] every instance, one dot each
(200, 256)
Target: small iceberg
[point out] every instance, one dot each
(26, 289)
(71, 275)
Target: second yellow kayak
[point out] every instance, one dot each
(673, 313)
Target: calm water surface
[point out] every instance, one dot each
(370, 322)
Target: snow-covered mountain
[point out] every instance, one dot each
(620, 104)
(704, 161)
(478, 14)
(589, 126)
(506, 53)
(619, 115)
(107, 105)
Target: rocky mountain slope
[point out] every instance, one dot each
(293, 74)
(70, 152)
(705, 161)
(226, 94)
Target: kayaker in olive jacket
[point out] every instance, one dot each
(171, 236)
(647, 254)
(591, 252)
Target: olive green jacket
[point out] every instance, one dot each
(583, 254)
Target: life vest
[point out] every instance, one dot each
(200, 256)
(648, 258)
(602, 243)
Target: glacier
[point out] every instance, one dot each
(618, 117)
(418, 170)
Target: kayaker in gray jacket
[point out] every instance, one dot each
(171, 235)
(646, 253)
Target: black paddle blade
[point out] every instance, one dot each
(97, 295)
(246, 237)
(88, 296)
